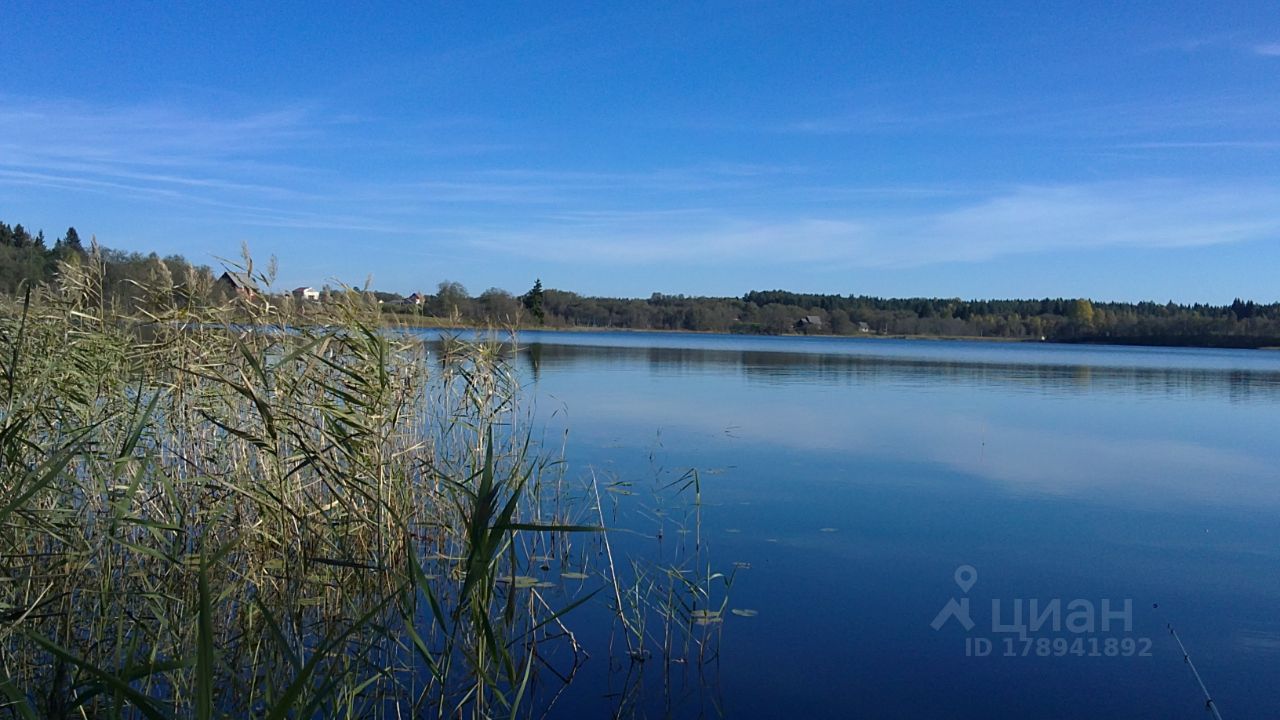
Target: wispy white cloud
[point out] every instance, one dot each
(154, 134)
(1236, 42)
(295, 158)
(1189, 43)
(1146, 214)
(1021, 220)
(1048, 115)
(875, 119)
(259, 169)
(156, 151)
(1204, 145)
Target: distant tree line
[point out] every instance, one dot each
(27, 260)
(776, 312)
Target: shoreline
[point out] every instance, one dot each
(393, 320)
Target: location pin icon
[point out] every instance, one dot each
(966, 576)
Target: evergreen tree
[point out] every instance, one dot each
(533, 302)
(72, 241)
(21, 238)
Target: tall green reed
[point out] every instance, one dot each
(260, 508)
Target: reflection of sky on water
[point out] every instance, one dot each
(1168, 435)
(1059, 472)
(924, 350)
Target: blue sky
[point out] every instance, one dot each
(1112, 150)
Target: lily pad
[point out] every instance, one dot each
(574, 575)
(744, 612)
(520, 581)
(830, 530)
(705, 617)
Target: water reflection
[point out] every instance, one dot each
(809, 368)
(1060, 472)
(1165, 435)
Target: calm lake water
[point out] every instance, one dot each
(856, 475)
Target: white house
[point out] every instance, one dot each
(306, 293)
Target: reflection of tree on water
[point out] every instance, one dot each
(533, 352)
(792, 367)
(1083, 376)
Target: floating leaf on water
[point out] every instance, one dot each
(620, 491)
(574, 575)
(772, 540)
(742, 565)
(732, 530)
(540, 558)
(743, 612)
(705, 617)
(520, 581)
(829, 530)
(544, 584)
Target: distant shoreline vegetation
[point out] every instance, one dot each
(27, 260)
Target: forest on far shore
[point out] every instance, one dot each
(29, 259)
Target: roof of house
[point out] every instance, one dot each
(240, 281)
(811, 320)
